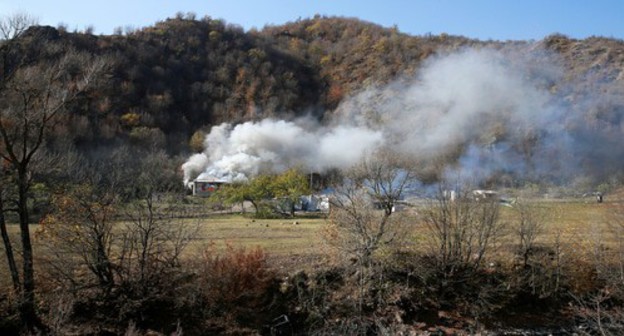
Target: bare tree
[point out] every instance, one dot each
(13, 26)
(609, 258)
(529, 226)
(363, 204)
(154, 238)
(8, 247)
(361, 220)
(31, 98)
(531, 271)
(598, 315)
(600, 311)
(461, 231)
(79, 233)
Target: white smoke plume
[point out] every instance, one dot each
(482, 112)
(241, 151)
(455, 99)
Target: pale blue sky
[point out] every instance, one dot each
(483, 19)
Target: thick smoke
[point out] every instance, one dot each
(477, 113)
(481, 114)
(238, 152)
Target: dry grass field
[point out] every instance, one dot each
(289, 243)
(575, 221)
(298, 243)
(579, 224)
(277, 236)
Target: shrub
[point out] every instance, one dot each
(236, 286)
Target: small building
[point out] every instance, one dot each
(315, 203)
(482, 195)
(204, 187)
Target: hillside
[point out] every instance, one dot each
(183, 75)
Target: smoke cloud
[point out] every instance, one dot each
(479, 113)
(238, 152)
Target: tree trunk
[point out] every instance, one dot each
(8, 248)
(27, 302)
(292, 210)
(103, 267)
(255, 206)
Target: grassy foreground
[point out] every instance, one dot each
(572, 220)
(292, 245)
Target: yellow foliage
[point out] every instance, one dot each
(256, 53)
(130, 119)
(314, 29)
(382, 46)
(214, 36)
(197, 141)
(326, 60)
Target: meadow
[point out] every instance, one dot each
(572, 219)
(299, 243)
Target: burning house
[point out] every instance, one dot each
(205, 187)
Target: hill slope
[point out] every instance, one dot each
(183, 75)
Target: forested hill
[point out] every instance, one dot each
(183, 75)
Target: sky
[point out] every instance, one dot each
(481, 19)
